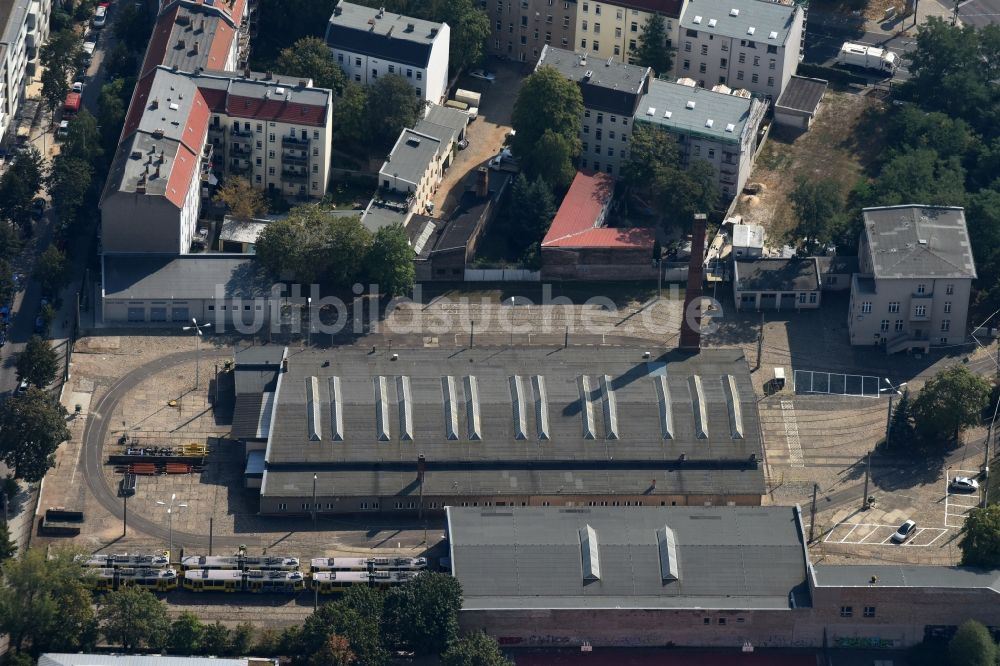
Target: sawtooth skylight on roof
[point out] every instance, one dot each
(709, 123)
(666, 543)
(590, 553)
(730, 127)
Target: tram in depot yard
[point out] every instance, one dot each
(367, 564)
(161, 580)
(251, 580)
(241, 562)
(334, 582)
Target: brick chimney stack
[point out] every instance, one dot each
(691, 330)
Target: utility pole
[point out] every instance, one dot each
(211, 533)
(868, 473)
(760, 341)
(812, 513)
(124, 515)
(421, 467)
(472, 332)
(314, 503)
(888, 421)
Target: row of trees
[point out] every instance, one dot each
(312, 245)
(952, 400)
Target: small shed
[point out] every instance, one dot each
(776, 284)
(799, 102)
(748, 240)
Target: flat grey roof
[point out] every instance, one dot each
(721, 557)
(241, 231)
(444, 116)
(891, 575)
(917, 241)
(770, 21)
(695, 111)
(378, 215)
(186, 276)
(513, 420)
(376, 32)
(266, 355)
(802, 94)
(410, 157)
(13, 14)
(766, 274)
(748, 235)
(606, 85)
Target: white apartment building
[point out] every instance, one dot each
(612, 29)
(368, 43)
(190, 130)
(611, 94)
(915, 276)
(716, 127)
(25, 25)
(750, 44)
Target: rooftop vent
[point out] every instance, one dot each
(667, 544)
(588, 74)
(174, 106)
(413, 141)
(590, 553)
(136, 154)
(158, 133)
(279, 91)
(709, 123)
(651, 110)
(381, 12)
(773, 34)
(712, 23)
(180, 43)
(434, 32)
(730, 127)
(410, 27)
(697, 20)
(690, 104)
(734, 12)
(751, 30)
(668, 114)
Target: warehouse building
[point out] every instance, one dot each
(418, 429)
(696, 576)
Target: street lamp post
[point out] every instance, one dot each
(511, 321)
(196, 327)
(170, 521)
(892, 391)
(314, 502)
(309, 317)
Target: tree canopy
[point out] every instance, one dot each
(475, 649)
(38, 362)
(392, 106)
(980, 540)
(972, 645)
(241, 198)
(422, 614)
(535, 207)
(819, 209)
(32, 425)
(133, 617)
(651, 49)
(949, 402)
(389, 262)
(547, 118)
(363, 635)
(311, 57)
(51, 271)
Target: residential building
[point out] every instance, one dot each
(612, 576)
(368, 43)
(715, 127)
(750, 44)
(522, 28)
(612, 29)
(184, 130)
(777, 284)
(440, 430)
(580, 245)
(915, 273)
(611, 94)
(25, 28)
(799, 103)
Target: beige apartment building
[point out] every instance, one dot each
(915, 275)
(522, 28)
(612, 29)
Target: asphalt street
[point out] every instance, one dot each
(979, 13)
(823, 41)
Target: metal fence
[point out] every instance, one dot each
(835, 383)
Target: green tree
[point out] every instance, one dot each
(336, 619)
(83, 139)
(475, 649)
(16, 195)
(901, 431)
(54, 87)
(10, 243)
(59, 56)
(120, 62)
(133, 618)
(367, 602)
(241, 198)
(950, 401)
(215, 639)
(32, 425)
(241, 640)
(920, 175)
(470, 28)
(111, 106)
(980, 542)
(350, 122)
(31, 165)
(38, 362)
(6, 281)
(422, 614)
(311, 57)
(68, 182)
(44, 604)
(818, 206)
(51, 271)
(972, 645)
(335, 651)
(682, 192)
(311, 245)
(391, 107)
(132, 26)
(389, 262)
(184, 637)
(652, 50)
(534, 208)
(8, 548)
(282, 22)
(547, 117)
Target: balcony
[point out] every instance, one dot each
(241, 133)
(239, 167)
(287, 140)
(240, 150)
(298, 160)
(215, 128)
(294, 176)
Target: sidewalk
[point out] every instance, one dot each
(906, 25)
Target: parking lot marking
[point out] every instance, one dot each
(922, 537)
(792, 434)
(849, 534)
(951, 515)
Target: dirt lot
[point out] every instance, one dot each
(830, 150)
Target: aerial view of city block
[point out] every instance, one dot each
(475, 333)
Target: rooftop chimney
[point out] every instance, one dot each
(482, 182)
(195, 47)
(691, 322)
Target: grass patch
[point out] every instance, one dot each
(350, 193)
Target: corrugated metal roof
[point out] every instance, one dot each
(725, 557)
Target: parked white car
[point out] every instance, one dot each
(483, 75)
(963, 484)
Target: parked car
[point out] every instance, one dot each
(63, 130)
(88, 51)
(504, 161)
(963, 484)
(905, 531)
(100, 16)
(22, 387)
(483, 75)
(77, 87)
(463, 144)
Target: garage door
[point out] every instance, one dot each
(157, 314)
(137, 314)
(179, 314)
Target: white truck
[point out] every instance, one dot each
(470, 98)
(868, 57)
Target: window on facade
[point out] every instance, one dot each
(899, 325)
(846, 611)
(548, 37)
(524, 21)
(597, 166)
(584, 25)
(725, 46)
(723, 62)
(597, 45)
(686, 65)
(771, 65)
(597, 28)
(357, 77)
(565, 21)
(949, 289)
(739, 75)
(632, 45)
(704, 49)
(409, 73)
(618, 50)
(945, 325)
(687, 47)
(586, 7)
(754, 78)
(340, 57)
(885, 325)
(772, 49)
(802, 298)
(756, 61)
(282, 506)
(548, 18)
(920, 310)
(586, 129)
(597, 134)
(701, 67)
(611, 152)
(812, 297)
(618, 33)
(743, 58)
(583, 43)
(524, 40)
(894, 306)
(597, 9)
(947, 307)
(565, 42)
(866, 307)
(270, 171)
(869, 611)
(722, 621)
(770, 82)
(921, 288)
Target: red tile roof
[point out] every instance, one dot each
(278, 110)
(576, 222)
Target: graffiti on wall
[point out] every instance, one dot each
(863, 642)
